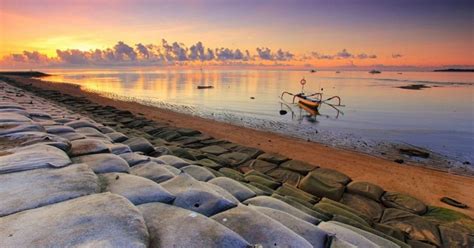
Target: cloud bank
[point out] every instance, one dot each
(167, 53)
(344, 54)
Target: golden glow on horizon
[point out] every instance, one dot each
(72, 28)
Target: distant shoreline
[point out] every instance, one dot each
(454, 70)
(28, 74)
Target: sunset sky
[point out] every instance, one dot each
(321, 33)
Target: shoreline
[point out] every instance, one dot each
(428, 185)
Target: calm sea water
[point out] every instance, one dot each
(439, 118)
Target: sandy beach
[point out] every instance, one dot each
(425, 184)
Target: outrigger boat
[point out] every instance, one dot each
(312, 102)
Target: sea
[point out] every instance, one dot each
(375, 108)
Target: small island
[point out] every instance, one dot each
(29, 74)
(454, 70)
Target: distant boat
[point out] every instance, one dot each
(338, 72)
(205, 87)
(313, 71)
(375, 72)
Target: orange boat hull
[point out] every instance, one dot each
(308, 103)
(312, 111)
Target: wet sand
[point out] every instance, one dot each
(425, 184)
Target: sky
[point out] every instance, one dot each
(316, 33)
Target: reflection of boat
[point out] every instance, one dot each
(205, 87)
(375, 72)
(313, 71)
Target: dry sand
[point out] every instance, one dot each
(425, 184)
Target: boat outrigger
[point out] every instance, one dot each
(312, 102)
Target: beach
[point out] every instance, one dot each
(237, 124)
(427, 184)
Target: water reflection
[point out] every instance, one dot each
(374, 102)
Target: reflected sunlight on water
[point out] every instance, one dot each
(439, 118)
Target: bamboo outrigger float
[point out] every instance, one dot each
(312, 102)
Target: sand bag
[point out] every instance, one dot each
(238, 190)
(298, 166)
(7, 128)
(385, 243)
(347, 235)
(259, 229)
(263, 188)
(199, 173)
(171, 226)
(339, 243)
(208, 163)
(59, 129)
(31, 138)
(270, 202)
(315, 236)
(214, 149)
(80, 123)
(32, 157)
(453, 237)
(173, 161)
(366, 189)
(449, 217)
(349, 222)
(419, 244)
(205, 198)
(139, 145)
(135, 158)
(36, 188)
(273, 158)
(17, 111)
(290, 190)
(117, 137)
(416, 227)
(272, 184)
(262, 166)
(321, 187)
(119, 148)
(369, 208)
(153, 171)
(105, 129)
(98, 220)
(40, 115)
(11, 117)
(390, 231)
(234, 174)
(286, 176)
(172, 169)
(251, 152)
(403, 202)
(330, 175)
(257, 190)
(10, 105)
(214, 172)
(340, 210)
(88, 146)
(90, 131)
(235, 158)
(305, 208)
(103, 162)
(71, 136)
(138, 190)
